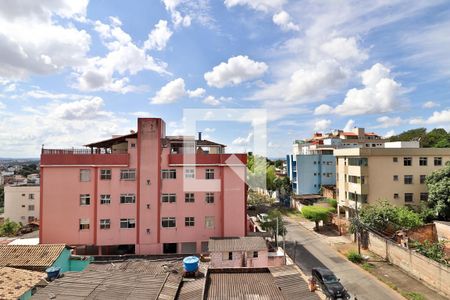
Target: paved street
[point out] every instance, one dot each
(314, 251)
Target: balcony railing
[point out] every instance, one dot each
(82, 151)
(83, 157)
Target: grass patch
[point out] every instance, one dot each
(292, 213)
(368, 266)
(354, 257)
(413, 295)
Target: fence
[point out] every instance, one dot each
(432, 273)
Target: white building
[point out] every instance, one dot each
(22, 203)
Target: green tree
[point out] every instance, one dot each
(438, 184)
(317, 213)
(9, 228)
(257, 199)
(270, 224)
(435, 251)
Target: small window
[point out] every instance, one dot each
(31, 207)
(422, 179)
(127, 198)
(127, 223)
(395, 196)
(169, 174)
(209, 197)
(30, 219)
(209, 174)
(84, 224)
(407, 161)
(409, 197)
(132, 145)
(168, 198)
(423, 161)
(189, 173)
(168, 222)
(189, 197)
(395, 177)
(128, 174)
(105, 174)
(85, 175)
(209, 222)
(438, 161)
(105, 199)
(230, 255)
(31, 196)
(105, 223)
(408, 179)
(85, 199)
(423, 196)
(255, 254)
(189, 221)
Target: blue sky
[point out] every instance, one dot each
(73, 72)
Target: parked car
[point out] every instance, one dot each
(329, 284)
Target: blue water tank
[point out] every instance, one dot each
(53, 272)
(190, 263)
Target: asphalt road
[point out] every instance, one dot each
(313, 251)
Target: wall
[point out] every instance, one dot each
(217, 260)
(420, 267)
(443, 229)
(18, 196)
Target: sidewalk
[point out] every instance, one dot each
(397, 279)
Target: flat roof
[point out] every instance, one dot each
(248, 243)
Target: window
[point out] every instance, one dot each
(209, 174)
(409, 197)
(209, 222)
(168, 222)
(423, 196)
(422, 179)
(407, 161)
(438, 161)
(85, 199)
(189, 198)
(395, 159)
(357, 161)
(132, 145)
(169, 174)
(105, 223)
(189, 221)
(255, 254)
(105, 174)
(127, 198)
(85, 175)
(30, 219)
(230, 255)
(105, 199)
(84, 224)
(127, 223)
(423, 161)
(209, 198)
(395, 177)
(31, 207)
(128, 174)
(408, 179)
(356, 179)
(31, 196)
(395, 196)
(168, 198)
(189, 173)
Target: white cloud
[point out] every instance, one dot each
(321, 125)
(10, 88)
(170, 93)
(158, 37)
(386, 122)
(199, 92)
(323, 109)
(243, 141)
(2, 106)
(438, 117)
(209, 130)
(177, 18)
(283, 19)
(85, 109)
(343, 49)
(238, 69)
(211, 100)
(31, 37)
(430, 104)
(261, 5)
(349, 125)
(380, 94)
(389, 134)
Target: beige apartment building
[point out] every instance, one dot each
(22, 203)
(395, 174)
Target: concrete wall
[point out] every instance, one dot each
(17, 203)
(422, 268)
(220, 259)
(443, 229)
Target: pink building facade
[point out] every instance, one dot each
(143, 193)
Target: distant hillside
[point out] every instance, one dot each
(437, 137)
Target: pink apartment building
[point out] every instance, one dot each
(142, 193)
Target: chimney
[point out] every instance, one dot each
(199, 135)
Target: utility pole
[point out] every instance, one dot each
(358, 231)
(295, 251)
(276, 235)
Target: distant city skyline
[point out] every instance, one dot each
(73, 72)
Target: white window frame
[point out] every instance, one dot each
(189, 173)
(85, 175)
(189, 221)
(189, 197)
(31, 207)
(210, 222)
(208, 196)
(105, 199)
(127, 198)
(168, 198)
(84, 224)
(105, 174)
(85, 199)
(128, 174)
(166, 222)
(130, 223)
(209, 174)
(168, 174)
(105, 223)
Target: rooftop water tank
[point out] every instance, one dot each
(190, 263)
(53, 273)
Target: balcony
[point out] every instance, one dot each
(83, 157)
(207, 159)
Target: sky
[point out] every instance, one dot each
(74, 72)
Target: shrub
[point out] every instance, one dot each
(332, 202)
(354, 257)
(316, 213)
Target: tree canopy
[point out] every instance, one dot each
(438, 184)
(317, 213)
(270, 224)
(436, 138)
(9, 228)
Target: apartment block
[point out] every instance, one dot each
(22, 203)
(143, 193)
(394, 173)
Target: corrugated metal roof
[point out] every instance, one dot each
(248, 243)
(15, 282)
(32, 257)
(291, 284)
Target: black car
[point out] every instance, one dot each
(329, 284)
